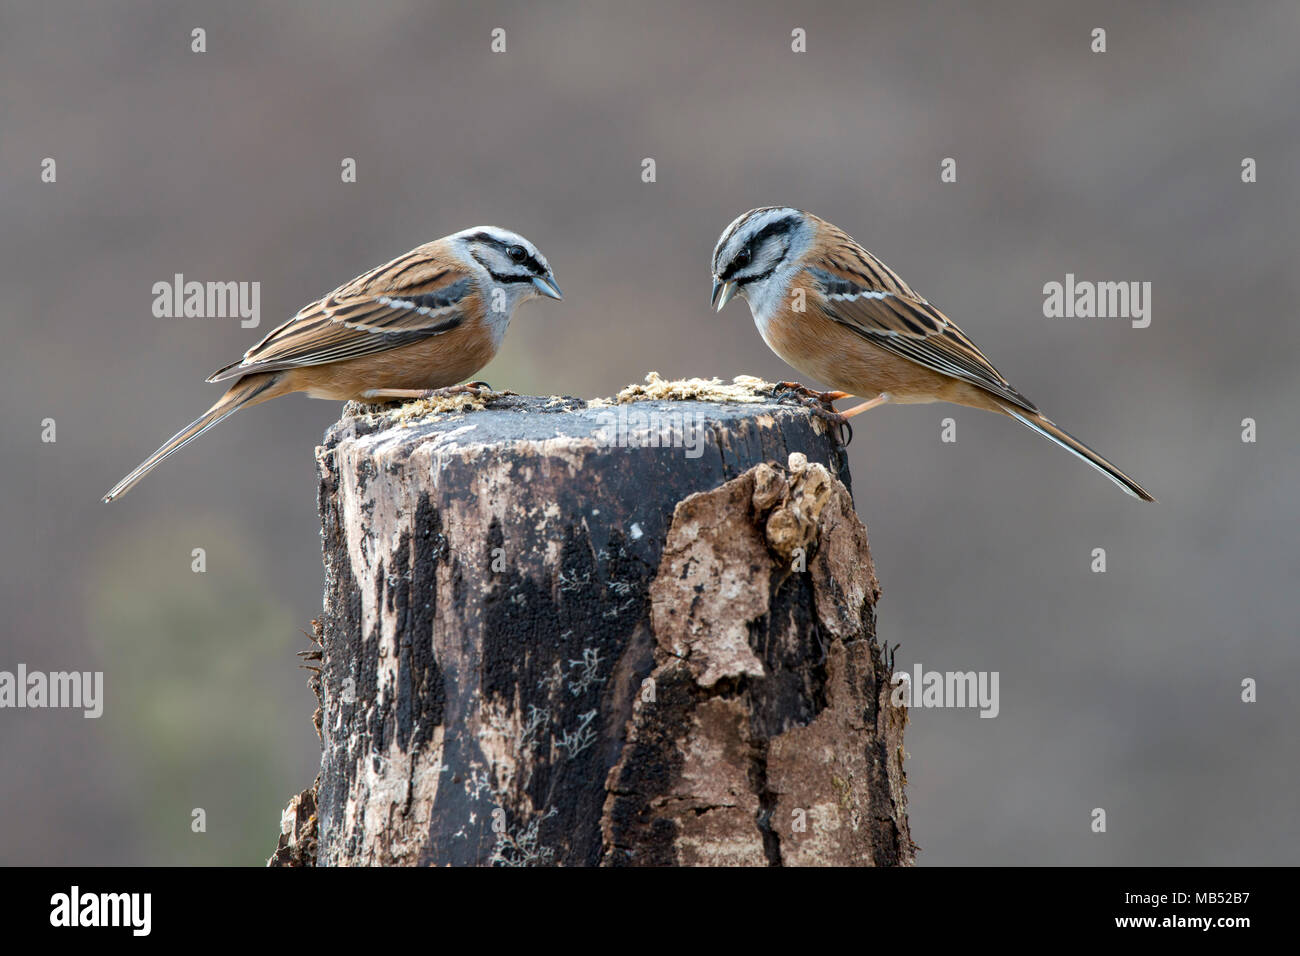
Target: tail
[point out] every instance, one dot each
(1071, 444)
(248, 390)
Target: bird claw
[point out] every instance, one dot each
(820, 404)
(799, 388)
(484, 389)
(843, 431)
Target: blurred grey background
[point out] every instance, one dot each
(1118, 690)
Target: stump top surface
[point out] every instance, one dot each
(501, 418)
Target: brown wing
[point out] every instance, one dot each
(404, 301)
(869, 298)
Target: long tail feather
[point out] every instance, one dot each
(1050, 429)
(251, 389)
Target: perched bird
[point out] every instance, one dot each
(835, 312)
(409, 329)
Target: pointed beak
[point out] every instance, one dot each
(547, 287)
(722, 293)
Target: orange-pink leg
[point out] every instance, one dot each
(394, 394)
(880, 399)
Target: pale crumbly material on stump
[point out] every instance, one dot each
(503, 587)
(403, 415)
(743, 388)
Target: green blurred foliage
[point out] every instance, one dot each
(190, 688)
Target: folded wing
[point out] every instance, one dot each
(872, 301)
(412, 298)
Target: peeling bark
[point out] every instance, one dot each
(541, 648)
(770, 738)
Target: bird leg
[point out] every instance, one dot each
(866, 406)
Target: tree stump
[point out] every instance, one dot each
(568, 633)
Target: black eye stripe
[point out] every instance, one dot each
(503, 246)
(530, 263)
(777, 227)
(758, 278)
